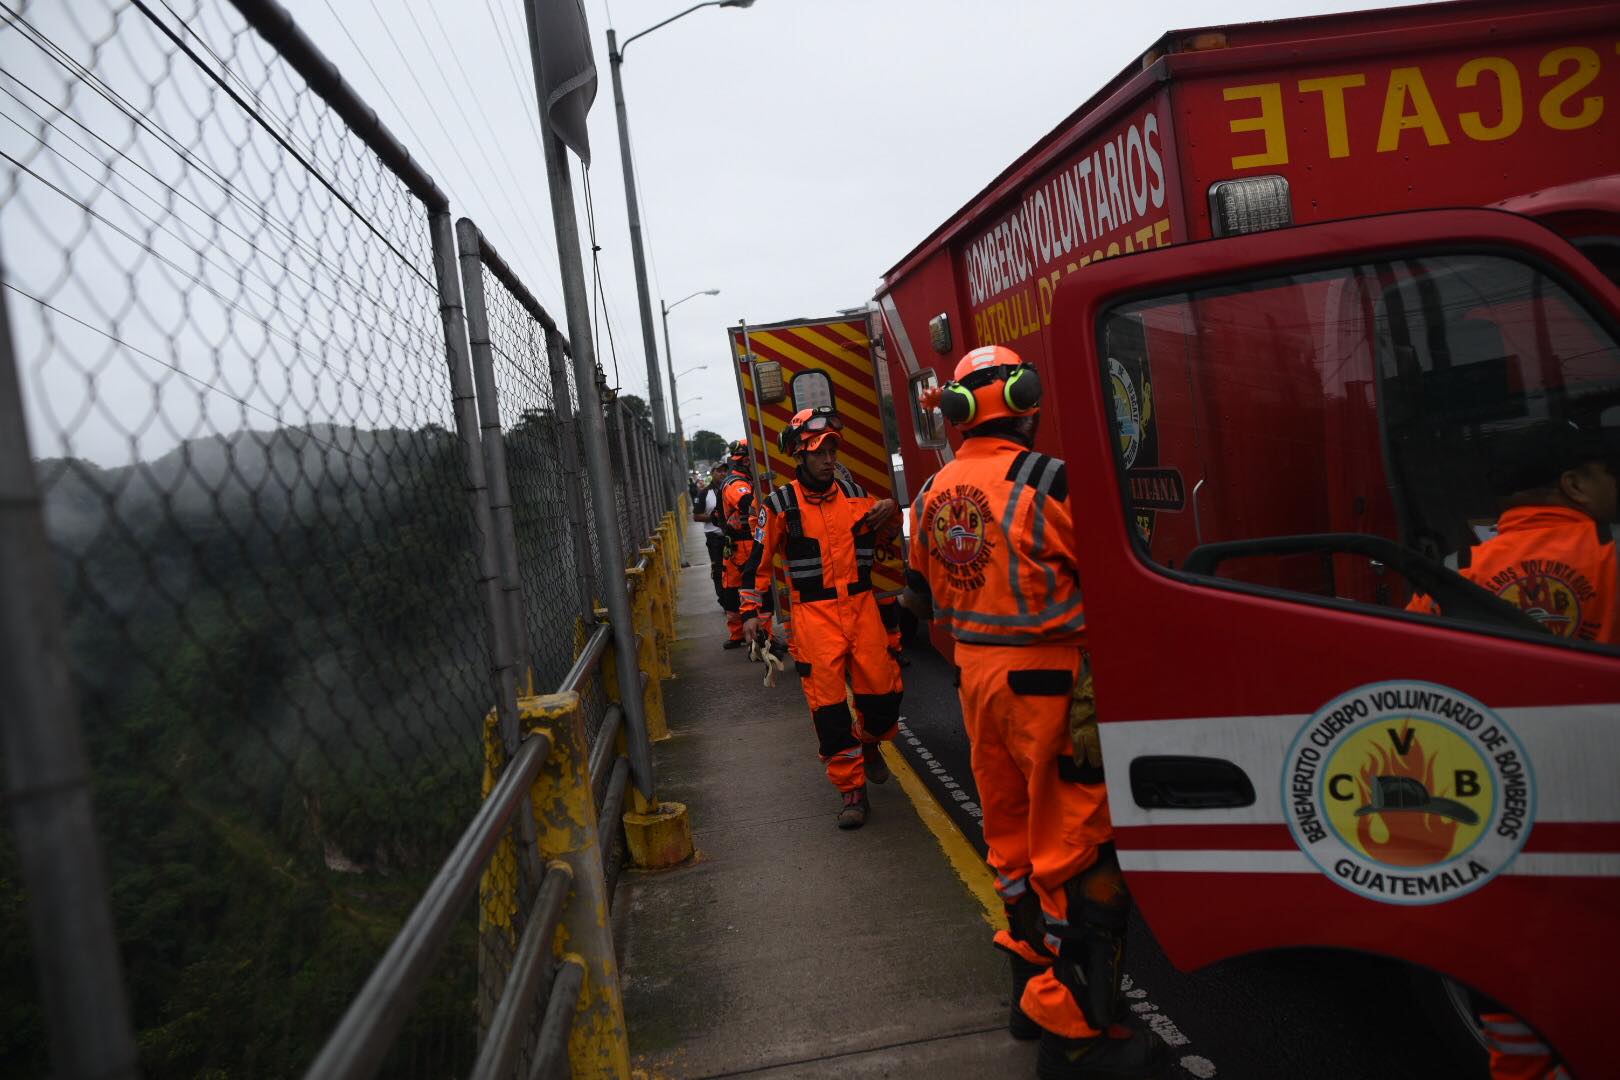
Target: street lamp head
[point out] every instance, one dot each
(716, 292)
(737, 3)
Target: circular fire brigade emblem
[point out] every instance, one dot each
(1551, 593)
(958, 528)
(1128, 420)
(1408, 792)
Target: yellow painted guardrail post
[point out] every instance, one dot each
(658, 606)
(497, 892)
(648, 658)
(566, 831)
(565, 820)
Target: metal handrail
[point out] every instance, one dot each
(613, 804)
(531, 967)
(603, 753)
(559, 1021)
(589, 657)
(362, 1038)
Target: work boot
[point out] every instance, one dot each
(734, 643)
(877, 770)
(1120, 1053)
(853, 815)
(1019, 1025)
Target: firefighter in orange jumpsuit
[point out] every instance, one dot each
(1552, 558)
(827, 530)
(1552, 555)
(993, 554)
(739, 515)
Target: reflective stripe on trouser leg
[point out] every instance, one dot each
(1004, 798)
(823, 659)
(1090, 940)
(874, 675)
(1516, 1051)
(840, 749)
(1025, 933)
(1036, 823)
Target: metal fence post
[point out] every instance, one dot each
(494, 446)
(503, 673)
(635, 481)
(573, 478)
(566, 222)
(48, 776)
(647, 478)
(621, 481)
(563, 799)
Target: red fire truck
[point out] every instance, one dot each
(1372, 271)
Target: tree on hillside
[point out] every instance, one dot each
(637, 407)
(705, 446)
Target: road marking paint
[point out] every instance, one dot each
(1201, 1067)
(971, 869)
(975, 873)
(946, 780)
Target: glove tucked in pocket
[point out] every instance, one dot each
(1083, 720)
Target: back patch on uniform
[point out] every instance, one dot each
(1552, 592)
(959, 527)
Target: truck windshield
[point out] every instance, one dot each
(1349, 433)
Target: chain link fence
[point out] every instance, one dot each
(227, 319)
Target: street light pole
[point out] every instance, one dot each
(655, 388)
(669, 358)
(655, 384)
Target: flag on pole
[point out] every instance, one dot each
(567, 71)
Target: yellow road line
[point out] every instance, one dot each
(973, 871)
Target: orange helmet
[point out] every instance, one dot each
(809, 428)
(991, 382)
(737, 452)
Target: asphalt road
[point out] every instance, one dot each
(1283, 1016)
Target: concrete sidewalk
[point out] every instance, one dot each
(788, 948)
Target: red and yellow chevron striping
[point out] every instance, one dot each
(841, 350)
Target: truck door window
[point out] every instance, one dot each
(927, 419)
(1358, 434)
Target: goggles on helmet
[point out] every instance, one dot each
(807, 424)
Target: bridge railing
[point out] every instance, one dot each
(303, 588)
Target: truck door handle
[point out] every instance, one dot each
(1189, 783)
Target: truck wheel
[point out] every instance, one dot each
(1449, 1006)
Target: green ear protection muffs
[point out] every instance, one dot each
(1020, 393)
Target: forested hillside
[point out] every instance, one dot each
(279, 652)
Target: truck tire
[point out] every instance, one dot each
(1449, 1007)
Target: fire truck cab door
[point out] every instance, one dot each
(1317, 732)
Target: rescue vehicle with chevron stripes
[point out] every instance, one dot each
(1315, 303)
(783, 367)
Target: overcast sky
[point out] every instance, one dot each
(787, 154)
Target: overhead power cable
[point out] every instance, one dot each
(286, 144)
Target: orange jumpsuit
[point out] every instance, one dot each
(839, 639)
(1516, 1053)
(889, 606)
(993, 546)
(738, 518)
(1551, 562)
